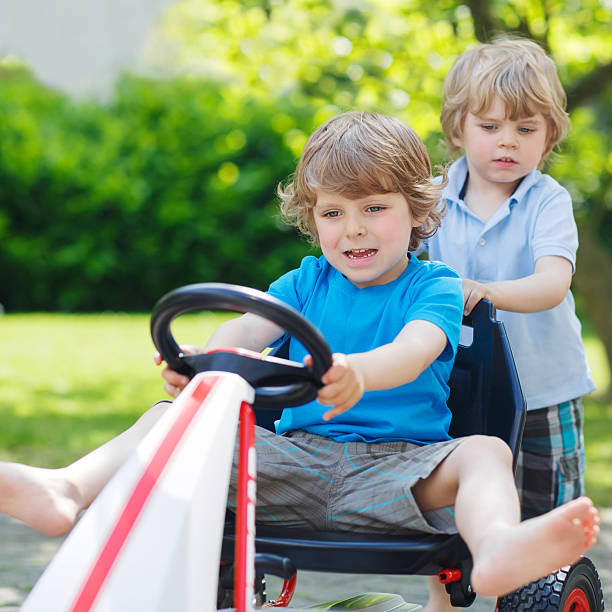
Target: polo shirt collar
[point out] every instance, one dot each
(457, 174)
(526, 184)
(456, 179)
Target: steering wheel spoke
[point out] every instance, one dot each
(257, 372)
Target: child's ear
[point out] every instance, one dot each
(457, 141)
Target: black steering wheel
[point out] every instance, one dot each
(278, 383)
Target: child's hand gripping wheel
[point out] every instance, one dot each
(278, 383)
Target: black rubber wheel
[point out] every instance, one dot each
(574, 588)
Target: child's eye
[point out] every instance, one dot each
(489, 127)
(375, 208)
(331, 213)
(526, 130)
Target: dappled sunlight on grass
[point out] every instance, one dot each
(598, 426)
(71, 382)
(596, 354)
(598, 443)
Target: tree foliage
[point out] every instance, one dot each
(103, 206)
(108, 207)
(392, 57)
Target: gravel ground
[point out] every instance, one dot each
(24, 554)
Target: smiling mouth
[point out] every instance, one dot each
(360, 253)
(505, 160)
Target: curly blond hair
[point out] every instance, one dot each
(519, 73)
(356, 154)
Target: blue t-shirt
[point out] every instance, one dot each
(535, 221)
(357, 320)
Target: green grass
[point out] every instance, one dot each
(598, 442)
(71, 382)
(598, 426)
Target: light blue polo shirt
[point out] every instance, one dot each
(536, 220)
(357, 320)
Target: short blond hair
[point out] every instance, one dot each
(515, 70)
(356, 154)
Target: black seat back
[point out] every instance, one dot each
(486, 396)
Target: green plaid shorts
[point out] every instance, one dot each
(551, 463)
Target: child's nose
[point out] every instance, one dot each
(507, 138)
(355, 226)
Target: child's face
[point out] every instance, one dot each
(499, 150)
(365, 239)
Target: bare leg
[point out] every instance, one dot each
(439, 599)
(50, 500)
(477, 476)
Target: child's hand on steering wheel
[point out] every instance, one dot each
(343, 385)
(176, 382)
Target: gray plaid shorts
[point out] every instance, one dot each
(550, 468)
(309, 481)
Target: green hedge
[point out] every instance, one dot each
(108, 206)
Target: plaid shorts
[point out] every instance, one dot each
(550, 469)
(310, 481)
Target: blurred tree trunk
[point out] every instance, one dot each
(593, 280)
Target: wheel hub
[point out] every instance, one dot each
(577, 602)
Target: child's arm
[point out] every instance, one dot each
(542, 290)
(391, 365)
(248, 331)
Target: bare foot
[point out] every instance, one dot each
(508, 557)
(42, 499)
